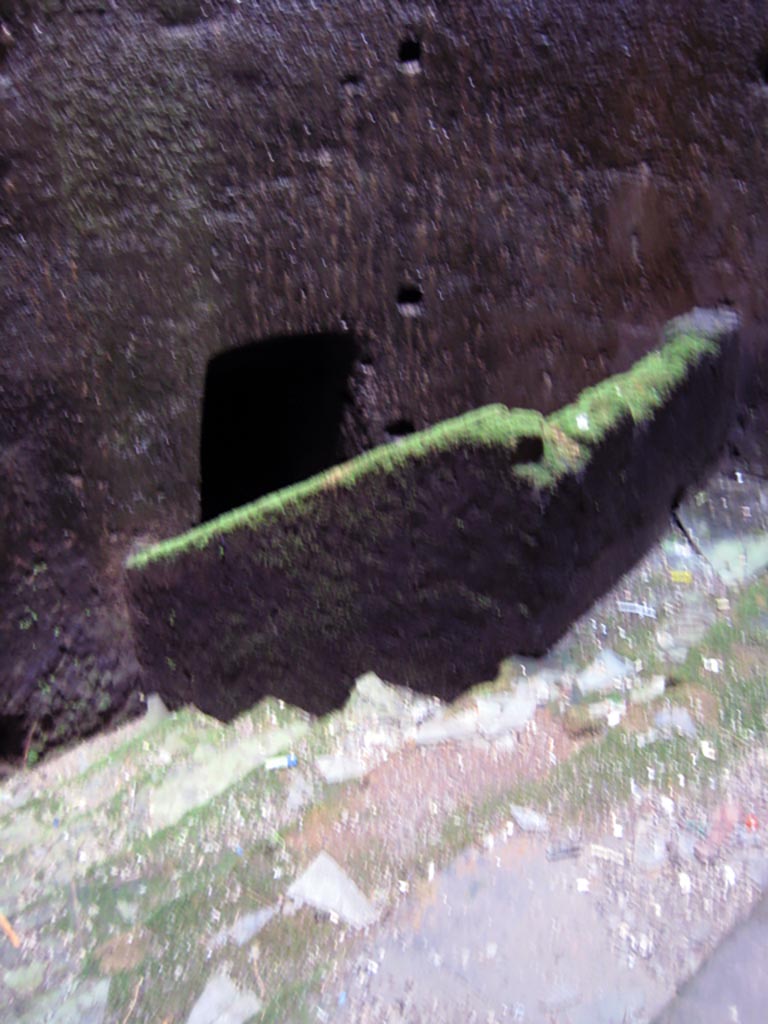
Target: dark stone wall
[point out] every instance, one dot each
(430, 570)
(178, 177)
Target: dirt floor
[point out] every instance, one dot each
(566, 843)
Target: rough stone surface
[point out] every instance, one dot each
(244, 929)
(650, 847)
(418, 561)
(373, 699)
(505, 713)
(729, 533)
(222, 1002)
(605, 672)
(185, 787)
(648, 691)
(86, 1005)
(325, 886)
(25, 979)
(181, 177)
(528, 819)
(336, 768)
(675, 720)
(444, 728)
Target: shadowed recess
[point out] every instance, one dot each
(399, 428)
(409, 51)
(272, 416)
(13, 732)
(409, 295)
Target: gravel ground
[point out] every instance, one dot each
(145, 875)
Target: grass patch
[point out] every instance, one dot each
(730, 709)
(193, 897)
(291, 1002)
(294, 956)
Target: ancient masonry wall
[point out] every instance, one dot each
(499, 202)
(432, 559)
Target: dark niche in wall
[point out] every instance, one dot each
(410, 298)
(409, 55)
(272, 415)
(13, 732)
(399, 428)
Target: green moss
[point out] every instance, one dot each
(636, 394)
(489, 426)
(567, 436)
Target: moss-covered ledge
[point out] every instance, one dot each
(430, 559)
(518, 430)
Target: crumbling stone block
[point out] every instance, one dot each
(431, 559)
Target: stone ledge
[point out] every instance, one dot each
(453, 541)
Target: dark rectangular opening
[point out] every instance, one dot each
(272, 415)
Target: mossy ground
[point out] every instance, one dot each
(147, 916)
(730, 710)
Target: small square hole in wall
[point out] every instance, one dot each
(399, 428)
(410, 300)
(409, 56)
(352, 85)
